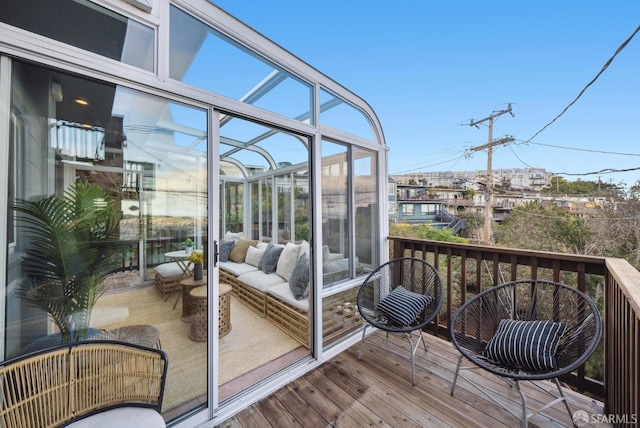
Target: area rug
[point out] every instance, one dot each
(252, 342)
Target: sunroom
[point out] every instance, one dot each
(171, 123)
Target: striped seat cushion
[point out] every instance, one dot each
(529, 345)
(402, 307)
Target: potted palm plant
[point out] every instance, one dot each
(74, 243)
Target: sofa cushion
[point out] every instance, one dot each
(233, 236)
(288, 260)
(305, 248)
(270, 258)
(122, 416)
(283, 292)
(336, 266)
(169, 269)
(260, 281)
(328, 256)
(237, 269)
(254, 256)
(239, 251)
(224, 249)
(299, 281)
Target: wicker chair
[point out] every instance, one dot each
(401, 296)
(94, 383)
(561, 329)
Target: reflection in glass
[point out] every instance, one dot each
(335, 213)
(366, 207)
(95, 28)
(146, 156)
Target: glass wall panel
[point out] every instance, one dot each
(203, 57)
(85, 25)
(255, 209)
(270, 324)
(285, 197)
(302, 206)
(335, 213)
(266, 209)
(366, 201)
(137, 164)
(339, 114)
(232, 207)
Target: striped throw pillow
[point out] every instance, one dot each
(402, 306)
(526, 345)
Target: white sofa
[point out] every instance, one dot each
(270, 294)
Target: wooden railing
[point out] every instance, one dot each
(622, 340)
(614, 284)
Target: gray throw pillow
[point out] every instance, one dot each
(299, 281)
(225, 248)
(261, 263)
(270, 259)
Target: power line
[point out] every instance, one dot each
(580, 149)
(622, 46)
(602, 171)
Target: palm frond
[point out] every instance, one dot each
(73, 245)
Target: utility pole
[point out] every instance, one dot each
(489, 186)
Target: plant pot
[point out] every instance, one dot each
(188, 250)
(197, 272)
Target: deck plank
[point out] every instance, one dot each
(276, 414)
(377, 391)
(347, 403)
(312, 393)
(299, 408)
(431, 391)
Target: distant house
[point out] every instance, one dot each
(415, 205)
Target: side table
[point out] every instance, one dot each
(187, 285)
(198, 296)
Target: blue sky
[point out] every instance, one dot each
(428, 67)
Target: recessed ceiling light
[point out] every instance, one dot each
(81, 101)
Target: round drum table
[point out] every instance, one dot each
(187, 304)
(198, 297)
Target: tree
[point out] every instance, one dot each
(543, 226)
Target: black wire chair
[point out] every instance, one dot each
(567, 332)
(401, 296)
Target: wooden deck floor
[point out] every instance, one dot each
(377, 391)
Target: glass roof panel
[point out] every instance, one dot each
(261, 147)
(203, 57)
(338, 114)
